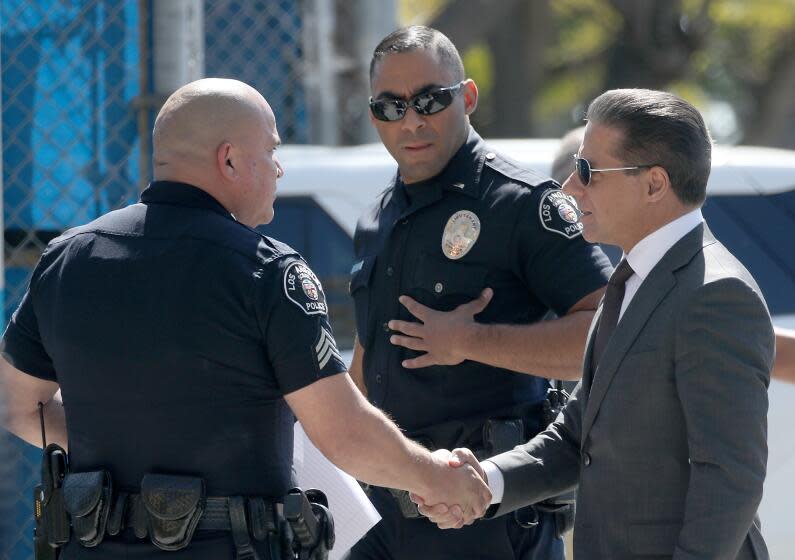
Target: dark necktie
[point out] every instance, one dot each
(611, 307)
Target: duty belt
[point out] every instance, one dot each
(264, 517)
(169, 509)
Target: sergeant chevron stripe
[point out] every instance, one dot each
(326, 348)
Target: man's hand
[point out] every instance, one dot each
(459, 492)
(449, 515)
(441, 335)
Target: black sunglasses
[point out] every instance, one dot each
(428, 103)
(584, 170)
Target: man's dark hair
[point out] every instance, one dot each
(419, 38)
(662, 129)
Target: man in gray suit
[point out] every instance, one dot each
(666, 433)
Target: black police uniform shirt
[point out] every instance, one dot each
(174, 331)
(484, 221)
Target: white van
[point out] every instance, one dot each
(750, 209)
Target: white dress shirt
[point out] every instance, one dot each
(642, 258)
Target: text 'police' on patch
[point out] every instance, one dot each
(559, 213)
(303, 288)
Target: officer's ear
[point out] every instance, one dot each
(470, 95)
(225, 160)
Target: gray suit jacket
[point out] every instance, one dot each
(668, 437)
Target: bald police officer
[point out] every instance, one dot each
(182, 339)
(462, 230)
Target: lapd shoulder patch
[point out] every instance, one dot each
(558, 212)
(302, 287)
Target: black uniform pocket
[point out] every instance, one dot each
(360, 281)
(451, 283)
(360, 273)
(87, 499)
(174, 505)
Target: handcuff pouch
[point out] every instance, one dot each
(174, 505)
(87, 499)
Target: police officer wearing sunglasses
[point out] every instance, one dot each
(462, 236)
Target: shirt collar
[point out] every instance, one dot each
(181, 194)
(650, 250)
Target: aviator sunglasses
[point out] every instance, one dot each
(584, 170)
(428, 103)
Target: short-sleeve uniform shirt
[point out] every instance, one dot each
(174, 332)
(485, 221)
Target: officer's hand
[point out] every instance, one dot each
(445, 517)
(462, 456)
(455, 516)
(441, 335)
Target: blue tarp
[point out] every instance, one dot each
(70, 74)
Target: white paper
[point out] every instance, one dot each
(353, 513)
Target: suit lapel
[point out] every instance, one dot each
(652, 291)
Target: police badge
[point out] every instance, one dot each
(460, 234)
(559, 213)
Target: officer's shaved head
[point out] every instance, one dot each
(201, 115)
(220, 135)
(419, 38)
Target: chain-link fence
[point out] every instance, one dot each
(71, 72)
(70, 150)
(260, 43)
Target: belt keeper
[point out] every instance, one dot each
(116, 518)
(262, 517)
(139, 520)
(240, 536)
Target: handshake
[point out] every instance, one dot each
(459, 493)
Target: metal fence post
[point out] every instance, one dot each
(177, 44)
(319, 72)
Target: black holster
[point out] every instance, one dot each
(499, 436)
(563, 506)
(310, 522)
(485, 437)
(502, 434)
(408, 509)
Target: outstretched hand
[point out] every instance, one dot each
(458, 491)
(440, 334)
(458, 512)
